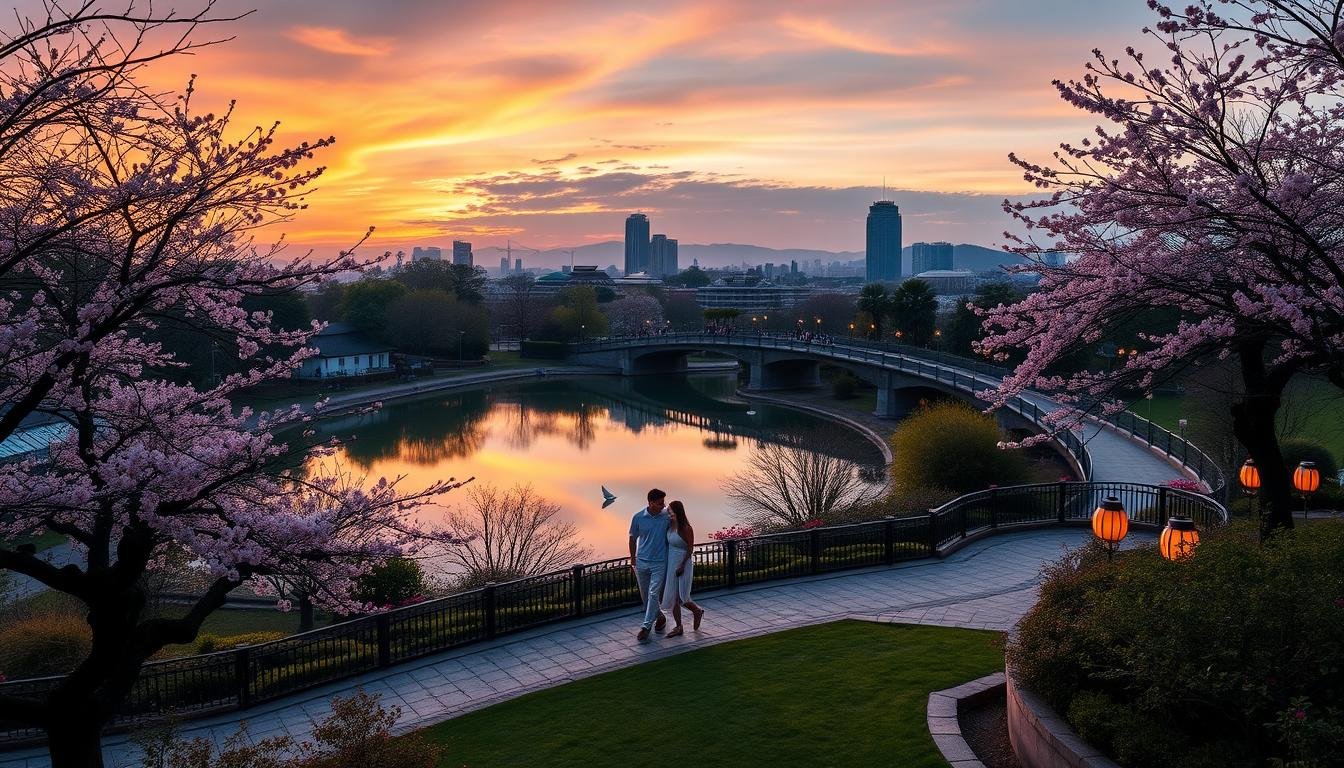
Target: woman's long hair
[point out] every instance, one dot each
(680, 511)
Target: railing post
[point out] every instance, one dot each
(383, 622)
(577, 575)
(961, 513)
(730, 554)
(814, 548)
(1059, 507)
(933, 534)
(889, 540)
(994, 508)
(488, 607)
(1162, 506)
(242, 676)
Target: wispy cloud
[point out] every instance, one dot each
(334, 40)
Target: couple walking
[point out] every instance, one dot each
(661, 543)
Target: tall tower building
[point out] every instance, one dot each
(636, 243)
(503, 265)
(884, 242)
(462, 253)
(662, 256)
(927, 256)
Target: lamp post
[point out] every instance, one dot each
(460, 334)
(1110, 524)
(851, 330)
(1306, 479)
(1179, 538)
(582, 327)
(1250, 479)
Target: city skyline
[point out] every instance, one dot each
(743, 123)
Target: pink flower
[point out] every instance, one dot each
(1300, 714)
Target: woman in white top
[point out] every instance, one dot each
(677, 589)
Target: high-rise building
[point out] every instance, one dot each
(884, 242)
(503, 265)
(431, 252)
(662, 257)
(769, 270)
(793, 267)
(462, 253)
(929, 256)
(517, 265)
(636, 243)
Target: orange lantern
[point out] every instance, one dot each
(1250, 477)
(1307, 478)
(1110, 523)
(1179, 538)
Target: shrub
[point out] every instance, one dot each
(1203, 662)
(1297, 451)
(212, 643)
(953, 446)
(396, 581)
(844, 387)
(544, 350)
(358, 732)
(43, 644)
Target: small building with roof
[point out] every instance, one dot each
(344, 350)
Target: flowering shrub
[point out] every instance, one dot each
(1229, 658)
(1186, 484)
(733, 532)
(813, 523)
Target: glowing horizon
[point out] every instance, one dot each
(743, 122)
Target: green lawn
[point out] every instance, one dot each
(1319, 399)
(848, 693)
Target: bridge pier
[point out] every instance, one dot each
(784, 374)
(894, 403)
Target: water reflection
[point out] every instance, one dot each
(568, 438)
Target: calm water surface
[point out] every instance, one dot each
(686, 435)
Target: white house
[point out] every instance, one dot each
(343, 350)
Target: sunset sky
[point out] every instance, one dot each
(752, 122)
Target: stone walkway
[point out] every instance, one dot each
(988, 585)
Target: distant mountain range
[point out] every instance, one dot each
(976, 258)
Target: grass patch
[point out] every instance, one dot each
(847, 693)
(41, 542)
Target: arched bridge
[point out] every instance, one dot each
(1125, 448)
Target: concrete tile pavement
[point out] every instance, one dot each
(987, 585)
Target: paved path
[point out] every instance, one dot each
(988, 584)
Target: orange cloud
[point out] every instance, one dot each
(825, 31)
(334, 40)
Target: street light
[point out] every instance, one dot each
(582, 327)
(460, 334)
(1179, 538)
(1306, 479)
(1110, 524)
(851, 330)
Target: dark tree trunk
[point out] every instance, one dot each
(74, 738)
(1254, 423)
(306, 621)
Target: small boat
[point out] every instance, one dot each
(608, 495)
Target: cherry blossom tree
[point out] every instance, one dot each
(120, 206)
(1215, 188)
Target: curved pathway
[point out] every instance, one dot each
(989, 584)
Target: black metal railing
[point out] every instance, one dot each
(195, 686)
(951, 369)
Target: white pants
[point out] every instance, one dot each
(677, 587)
(650, 577)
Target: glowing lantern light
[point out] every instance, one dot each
(1307, 478)
(1110, 523)
(1250, 477)
(1179, 538)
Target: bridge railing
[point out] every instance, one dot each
(196, 686)
(1175, 447)
(958, 372)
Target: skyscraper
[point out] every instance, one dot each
(636, 243)
(517, 265)
(432, 252)
(503, 265)
(927, 256)
(884, 242)
(662, 256)
(462, 253)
